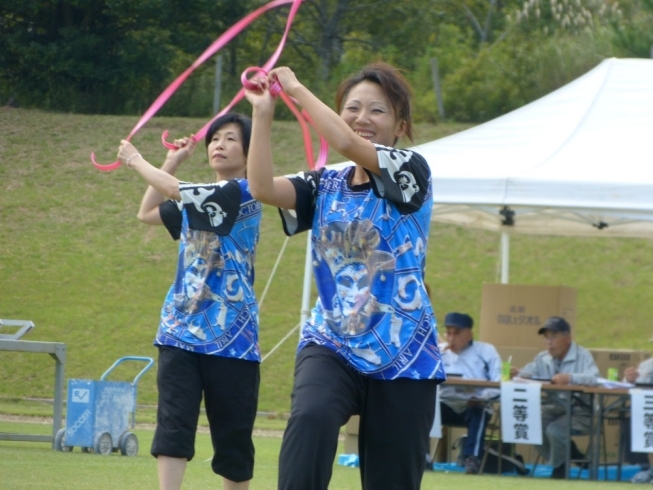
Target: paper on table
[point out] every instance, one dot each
(518, 379)
(606, 383)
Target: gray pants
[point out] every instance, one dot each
(556, 433)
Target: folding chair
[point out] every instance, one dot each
(493, 433)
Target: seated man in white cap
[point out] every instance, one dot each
(562, 363)
(470, 359)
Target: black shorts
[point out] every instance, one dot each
(230, 389)
(395, 419)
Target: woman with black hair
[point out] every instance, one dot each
(208, 333)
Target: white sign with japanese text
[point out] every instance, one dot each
(521, 414)
(641, 426)
(436, 430)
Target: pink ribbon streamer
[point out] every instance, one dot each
(216, 46)
(302, 117)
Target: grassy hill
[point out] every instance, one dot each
(76, 262)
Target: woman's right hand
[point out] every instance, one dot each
(185, 148)
(127, 153)
(260, 97)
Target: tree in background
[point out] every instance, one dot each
(82, 56)
(539, 46)
(194, 27)
(105, 56)
(568, 16)
(634, 29)
(116, 56)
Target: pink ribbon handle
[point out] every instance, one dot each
(302, 117)
(275, 88)
(219, 43)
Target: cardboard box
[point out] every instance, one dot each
(451, 440)
(447, 448)
(511, 314)
(351, 435)
(618, 358)
(351, 443)
(611, 431)
(352, 425)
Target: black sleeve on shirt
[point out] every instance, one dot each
(170, 213)
(212, 207)
(404, 180)
(301, 218)
(222, 198)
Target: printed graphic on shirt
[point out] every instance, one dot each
(394, 164)
(354, 254)
(404, 179)
(368, 258)
(211, 307)
(407, 184)
(201, 258)
(211, 207)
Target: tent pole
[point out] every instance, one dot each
(505, 257)
(306, 291)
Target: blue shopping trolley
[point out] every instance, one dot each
(98, 412)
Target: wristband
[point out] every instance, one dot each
(128, 161)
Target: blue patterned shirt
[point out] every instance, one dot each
(369, 251)
(211, 307)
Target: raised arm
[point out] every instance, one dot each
(276, 191)
(328, 123)
(162, 182)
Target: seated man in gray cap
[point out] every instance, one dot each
(562, 363)
(463, 406)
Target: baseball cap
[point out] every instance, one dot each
(458, 320)
(555, 324)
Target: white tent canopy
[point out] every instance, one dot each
(578, 161)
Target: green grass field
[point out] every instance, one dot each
(34, 466)
(76, 262)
